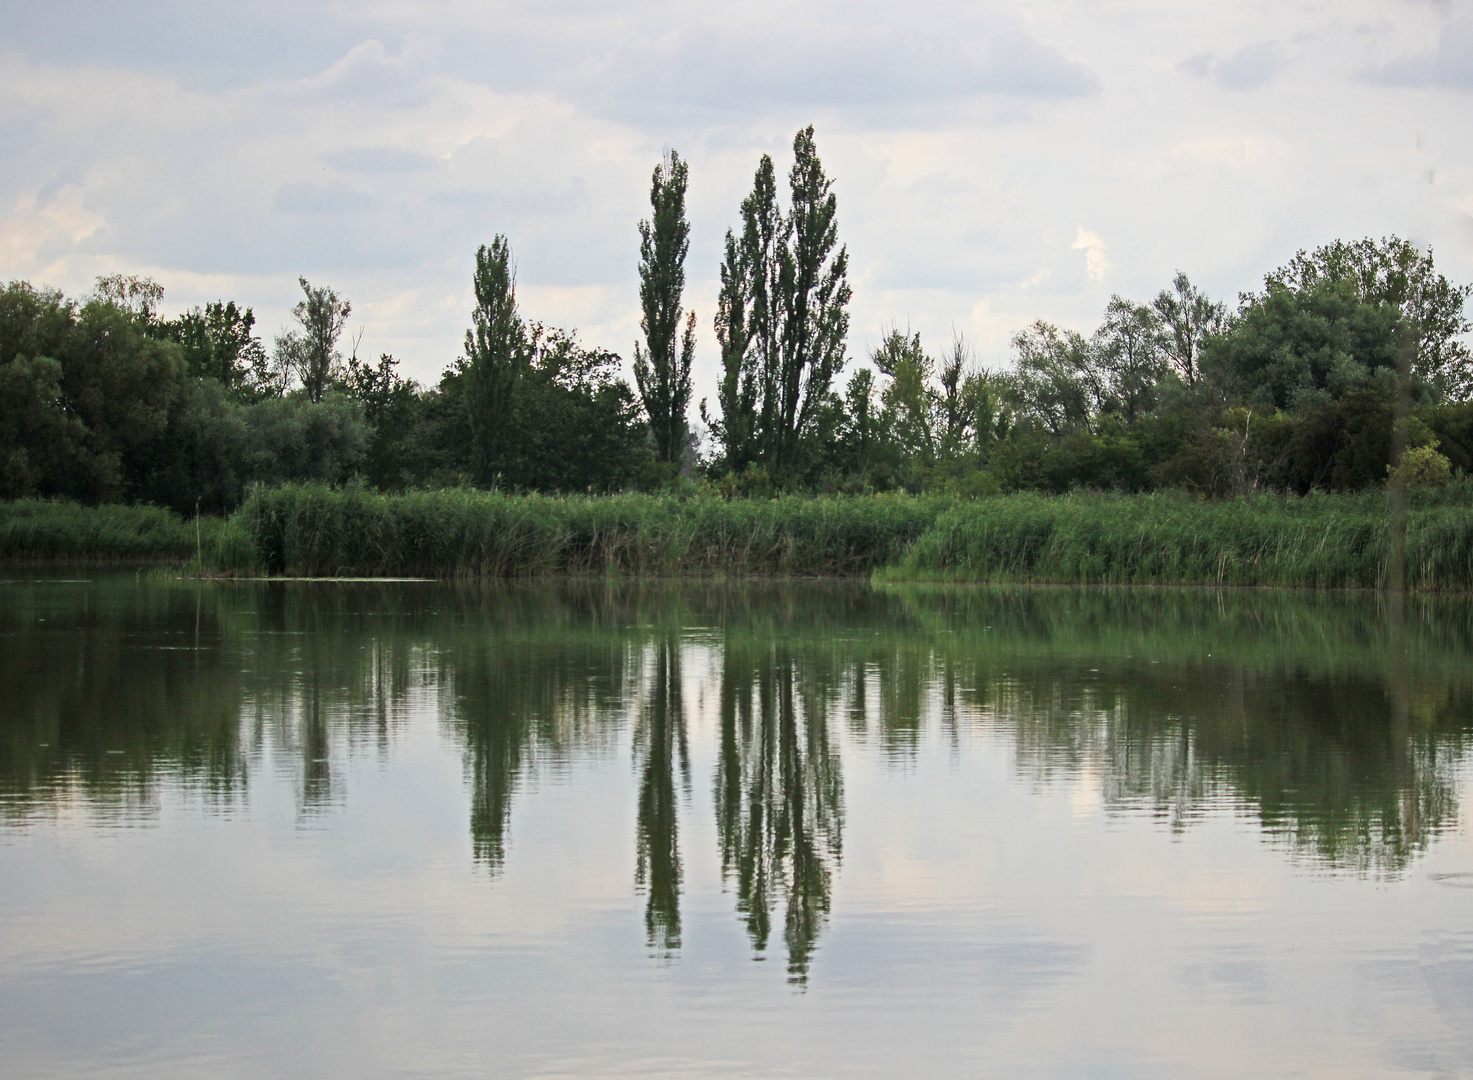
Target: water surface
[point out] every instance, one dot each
(782, 829)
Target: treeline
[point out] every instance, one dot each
(1350, 359)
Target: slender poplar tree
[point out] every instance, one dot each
(782, 318)
(814, 282)
(496, 357)
(661, 370)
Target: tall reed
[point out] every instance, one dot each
(1322, 541)
(58, 530)
(314, 530)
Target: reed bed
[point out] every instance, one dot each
(61, 531)
(1322, 541)
(320, 531)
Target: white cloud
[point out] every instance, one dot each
(1096, 262)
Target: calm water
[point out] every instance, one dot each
(586, 830)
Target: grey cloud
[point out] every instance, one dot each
(1450, 64)
(208, 43)
(307, 198)
(708, 68)
(1199, 65)
(1252, 65)
(378, 159)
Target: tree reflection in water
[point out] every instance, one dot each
(1340, 723)
(779, 799)
(660, 752)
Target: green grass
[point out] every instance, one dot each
(1317, 542)
(55, 530)
(1323, 541)
(314, 530)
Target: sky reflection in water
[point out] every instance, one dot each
(544, 830)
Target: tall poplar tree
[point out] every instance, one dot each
(813, 280)
(496, 357)
(781, 315)
(662, 371)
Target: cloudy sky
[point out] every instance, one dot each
(994, 163)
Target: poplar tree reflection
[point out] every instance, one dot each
(779, 799)
(660, 750)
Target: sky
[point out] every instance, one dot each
(994, 163)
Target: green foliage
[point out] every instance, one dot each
(1420, 467)
(1452, 427)
(1396, 272)
(1320, 542)
(218, 344)
(661, 372)
(1189, 320)
(57, 529)
(575, 425)
(496, 356)
(318, 530)
(311, 354)
(1298, 349)
(1130, 348)
(782, 318)
(393, 409)
(1055, 382)
(41, 444)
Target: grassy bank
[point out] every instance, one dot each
(58, 531)
(1315, 542)
(321, 531)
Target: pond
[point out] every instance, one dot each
(788, 829)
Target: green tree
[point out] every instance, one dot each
(219, 343)
(391, 407)
(574, 424)
(1130, 347)
(1297, 349)
(1056, 382)
(747, 325)
(661, 371)
(1396, 272)
(137, 297)
(1190, 319)
(40, 442)
(496, 358)
(908, 400)
(813, 280)
(782, 317)
(311, 353)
